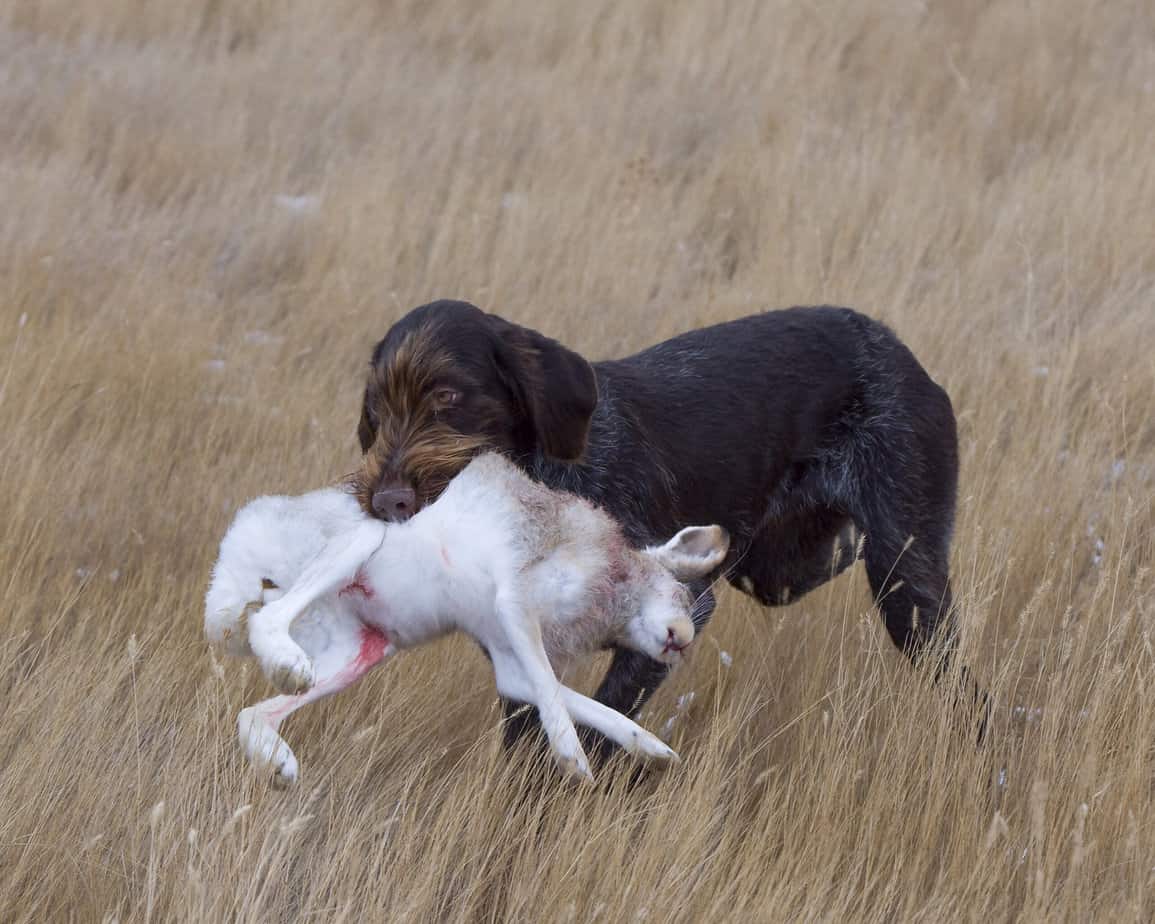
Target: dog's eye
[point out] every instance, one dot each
(446, 397)
(266, 584)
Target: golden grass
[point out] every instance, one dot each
(176, 338)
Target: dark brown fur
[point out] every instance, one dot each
(405, 435)
(519, 391)
(794, 430)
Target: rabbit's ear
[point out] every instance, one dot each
(693, 553)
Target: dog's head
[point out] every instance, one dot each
(449, 381)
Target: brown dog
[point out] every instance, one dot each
(795, 430)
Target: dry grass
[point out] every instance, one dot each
(176, 338)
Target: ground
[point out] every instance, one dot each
(212, 209)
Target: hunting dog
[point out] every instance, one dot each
(812, 435)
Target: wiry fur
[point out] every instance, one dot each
(537, 577)
(812, 435)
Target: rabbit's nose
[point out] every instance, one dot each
(678, 636)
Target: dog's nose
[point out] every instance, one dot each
(395, 504)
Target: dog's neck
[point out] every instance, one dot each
(618, 470)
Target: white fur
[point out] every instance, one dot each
(537, 577)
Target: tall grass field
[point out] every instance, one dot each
(210, 211)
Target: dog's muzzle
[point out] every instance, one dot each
(394, 504)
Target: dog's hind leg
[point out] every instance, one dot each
(913, 593)
(905, 506)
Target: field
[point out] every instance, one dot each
(211, 210)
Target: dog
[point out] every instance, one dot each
(321, 594)
(811, 434)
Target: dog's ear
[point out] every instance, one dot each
(555, 386)
(366, 431)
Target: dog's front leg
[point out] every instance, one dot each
(283, 661)
(353, 650)
(523, 672)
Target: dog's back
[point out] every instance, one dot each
(811, 434)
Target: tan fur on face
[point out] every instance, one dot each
(412, 445)
(973, 172)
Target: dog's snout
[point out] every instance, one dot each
(395, 504)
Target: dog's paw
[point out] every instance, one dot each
(651, 747)
(265, 748)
